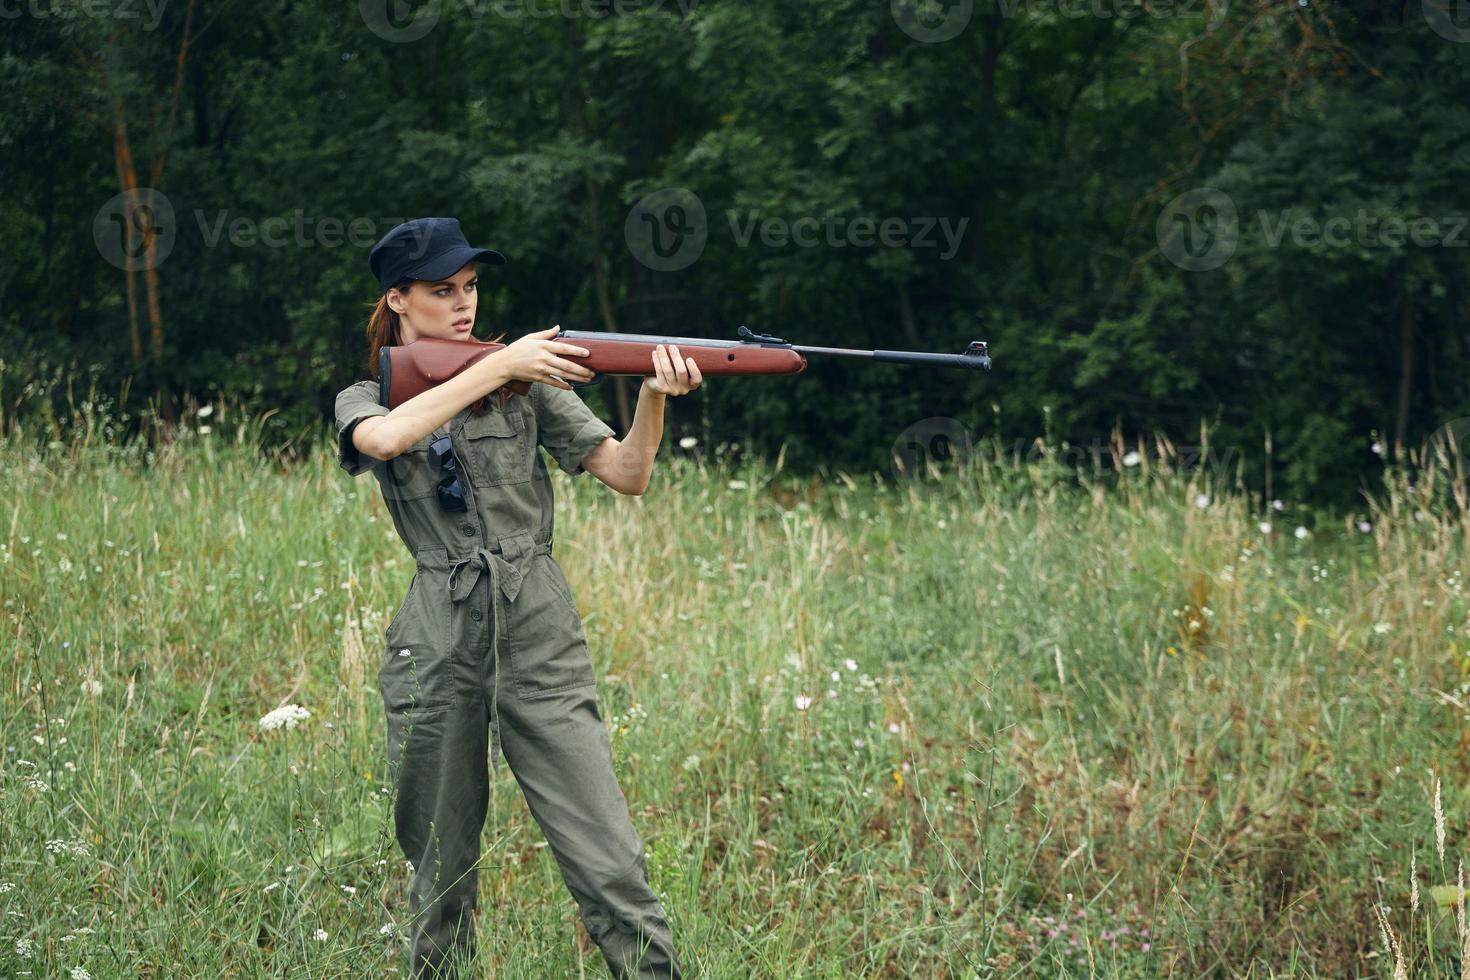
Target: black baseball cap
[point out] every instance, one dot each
(425, 248)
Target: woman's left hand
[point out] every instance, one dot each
(673, 375)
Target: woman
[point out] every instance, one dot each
(471, 498)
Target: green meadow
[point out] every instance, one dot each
(1006, 717)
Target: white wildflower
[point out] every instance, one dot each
(1265, 527)
(691, 762)
(1301, 532)
(1414, 881)
(1381, 628)
(285, 716)
(320, 935)
(1131, 458)
(1377, 449)
(271, 887)
(1202, 501)
(1364, 526)
(738, 485)
(205, 411)
(802, 702)
(25, 948)
(77, 973)
(92, 687)
(349, 889)
(850, 664)
(1438, 821)
(688, 442)
(1277, 505)
(836, 676)
(386, 930)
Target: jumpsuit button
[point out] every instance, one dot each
(475, 615)
(468, 529)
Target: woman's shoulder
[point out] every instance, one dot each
(359, 389)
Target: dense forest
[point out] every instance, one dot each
(1247, 218)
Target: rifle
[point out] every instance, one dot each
(408, 369)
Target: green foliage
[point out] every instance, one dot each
(1057, 133)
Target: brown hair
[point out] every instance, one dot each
(384, 329)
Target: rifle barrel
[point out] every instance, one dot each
(978, 359)
(976, 356)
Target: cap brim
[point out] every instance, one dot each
(443, 266)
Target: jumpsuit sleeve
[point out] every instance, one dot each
(565, 426)
(354, 404)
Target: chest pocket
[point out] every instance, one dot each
(499, 448)
(412, 475)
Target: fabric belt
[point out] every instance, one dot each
(504, 563)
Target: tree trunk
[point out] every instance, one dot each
(127, 179)
(1406, 362)
(906, 316)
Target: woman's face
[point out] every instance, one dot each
(444, 309)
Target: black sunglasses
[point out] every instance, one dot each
(450, 490)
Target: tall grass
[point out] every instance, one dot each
(1016, 720)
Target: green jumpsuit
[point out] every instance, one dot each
(485, 580)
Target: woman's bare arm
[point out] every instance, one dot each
(385, 436)
(532, 358)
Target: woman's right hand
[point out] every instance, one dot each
(535, 357)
